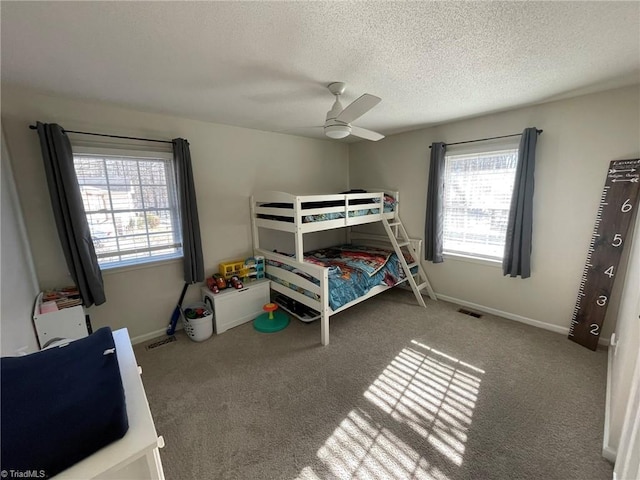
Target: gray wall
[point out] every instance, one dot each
(19, 285)
(229, 163)
(581, 136)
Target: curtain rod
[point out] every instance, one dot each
(488, 138)
(33, 127)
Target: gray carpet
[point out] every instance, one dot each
(401, 392)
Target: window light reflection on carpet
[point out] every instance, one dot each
(432, 393)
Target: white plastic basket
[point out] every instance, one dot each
(198, 329)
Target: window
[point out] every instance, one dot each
(131, 206)
(477, 199)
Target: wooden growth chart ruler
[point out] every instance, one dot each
(617, 207)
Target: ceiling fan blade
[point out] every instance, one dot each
(366, 134)
(358, 107)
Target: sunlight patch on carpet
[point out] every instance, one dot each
(432, 393)
(359, 448)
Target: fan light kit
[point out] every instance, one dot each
(338, 122)
(337, 131)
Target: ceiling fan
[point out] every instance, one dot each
(338, 122)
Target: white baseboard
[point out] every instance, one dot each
(608, 452)
(154, 334)
(513, 316)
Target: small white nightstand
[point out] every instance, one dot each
(233, 307)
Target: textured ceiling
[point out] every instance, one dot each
(265, 65)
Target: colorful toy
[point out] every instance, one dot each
(212, 285)
(236, 283)
(255, 267)
(273, 320)
(220, 281)
(233, 268)
(194, 313)
(270, 308)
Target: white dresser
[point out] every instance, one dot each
(135, 456)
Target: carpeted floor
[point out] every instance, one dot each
(401, 392)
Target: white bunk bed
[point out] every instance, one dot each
(300, 214)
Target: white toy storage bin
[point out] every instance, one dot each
(198, 329)
(233, 307)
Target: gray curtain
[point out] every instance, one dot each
(435, 194)
(517, 248)
(68, 211)
(191, 243)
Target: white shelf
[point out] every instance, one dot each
(64, 323)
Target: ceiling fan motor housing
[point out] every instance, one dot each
(335, 110)
(335, 128)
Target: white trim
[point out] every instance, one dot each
(151, 335)
(463, 155)
(608, 452)
(628, 460)
(512, 316)
(158, 262)
(459, 257)
(141, 250)
(148, 152)
(487, 146)
(101, 155)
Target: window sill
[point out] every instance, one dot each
(139, 266)
(470, 259)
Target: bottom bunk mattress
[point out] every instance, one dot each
(353, 271)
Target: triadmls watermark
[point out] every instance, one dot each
(23, 473)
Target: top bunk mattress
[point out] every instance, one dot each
(388, 207)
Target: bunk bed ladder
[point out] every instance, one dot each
(399, 239)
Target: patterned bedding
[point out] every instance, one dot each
(353, 271)
(389, 206)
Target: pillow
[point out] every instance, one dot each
(60, 405)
